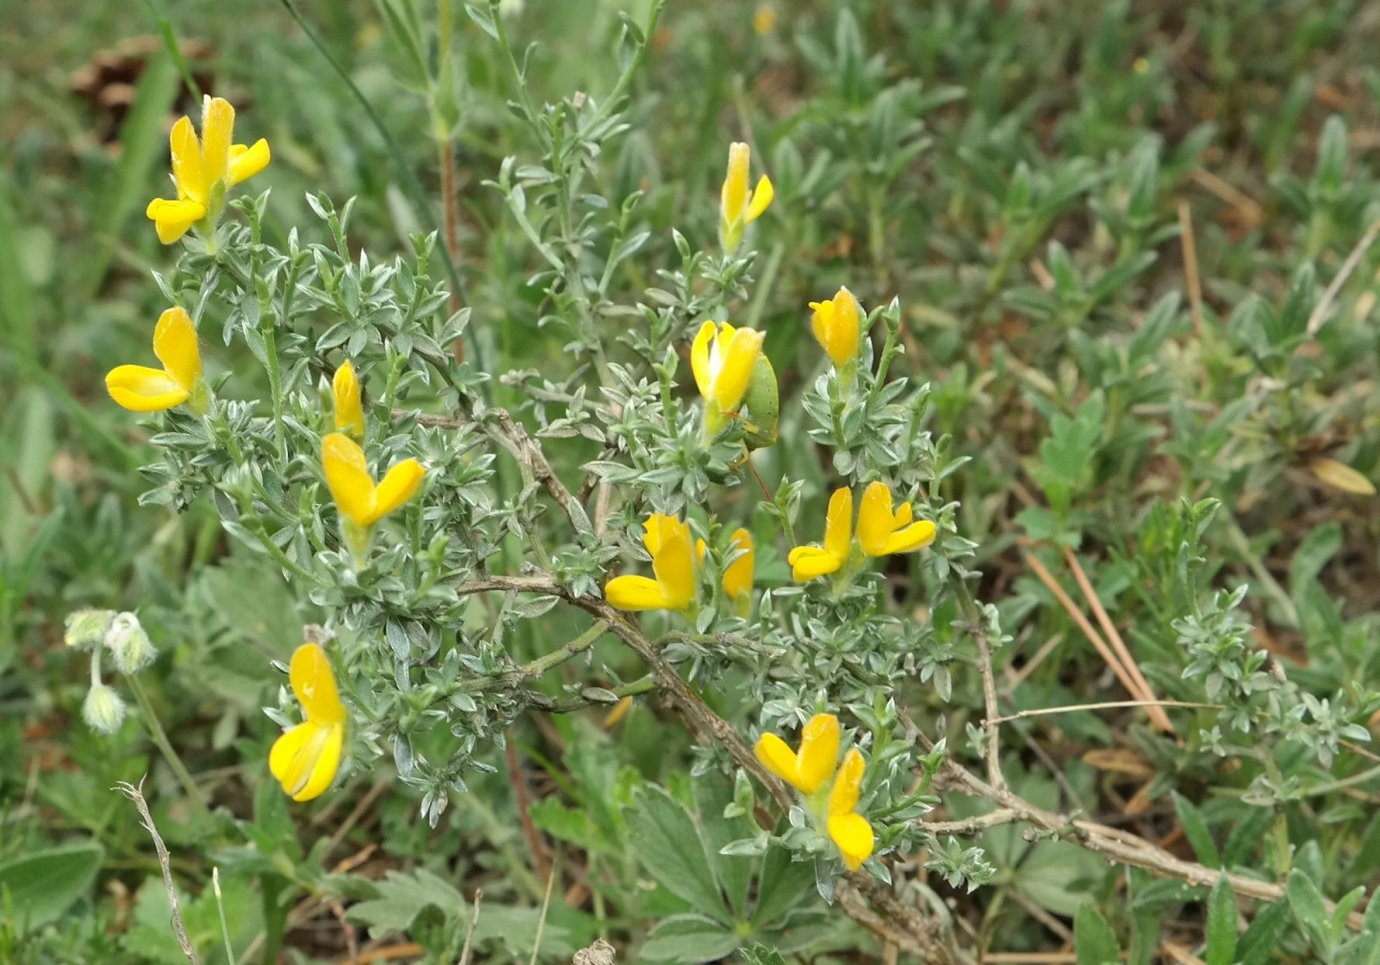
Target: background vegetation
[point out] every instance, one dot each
(1132, 243)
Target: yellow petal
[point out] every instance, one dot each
(186, 161)
(843, 796)
(842, 345)
(740, 354)
(733, 196)
(1339, 475)
(217, 131)
(875, 519)
(776, 756)
(916, 536)
(325, 764)
(655, 529)
(142, 389)
(838, 525)
(173, 219)
(738, 576)
(699, 358)
(245, 162)
(761, 198)
(314, 684)
(349, 413)
(635, 593)
(674, 565)
(819, 751)
(808, 562)
(347, 475)
(853, 837)
(174, 342)
(397, 487)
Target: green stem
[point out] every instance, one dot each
(160, 738)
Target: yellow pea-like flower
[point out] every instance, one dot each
(360, 501)
(849, 830)
(349, 412)
(722, 359)
(140, 388)
(668, 541)
(738, 576)
(304, 760)
(836, 323)
(881, 532)
(203, 170)
(807, 769)
(739, 207)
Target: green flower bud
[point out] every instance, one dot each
(129, 644)
(761, 409)
(86, 629)
(103, 709)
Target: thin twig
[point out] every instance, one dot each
(1190, 249)
(1078, 618)
(136, 794)
(1157, 715)
(1318, 317)
(1070, 708)
(521, 795)
(469, 930)
(541, 922)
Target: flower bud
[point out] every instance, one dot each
(129, 644)
(86, 629)
(103, 710)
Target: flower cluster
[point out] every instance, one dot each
(810, 769)
(880, 532)
(123, 638)
(675, 567)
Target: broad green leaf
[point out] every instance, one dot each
(688, 938)
(1196, 830)
(668, 845)
(733, 871)
(1258, 942)
(784, 885)
(1221, 924)
(44, 884)
(1093, 939)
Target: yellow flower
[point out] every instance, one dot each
(807, 770)
(836, 326)
(722, 359)
(204, 170)
(349, 414)
(668, 541)
(849, 830)
(880, 533)
(143, 389)
(738, 206)
(360, 501)
(304, 759)
(738, 576)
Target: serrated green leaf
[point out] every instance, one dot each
(668, 846)
(688, 938)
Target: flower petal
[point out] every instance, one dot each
(325, 763)
(142, 389)
(734, 194)
(186, 161)
(738, 575)
(853, 836)
(347, 475)
(843, 796)
(739, 356)
(699, 358)
(674, 565)
(314, 684)
(762, 197)
(655, 530)
(819, 751)
(634, 593)
(397, 487)
(288, 759)
(173, 219)
(349, 413)
(808, 562)
(217, 131)
(916, 536)
(776, 756)
(875, 519)
(838, 526)
(245, 162)
(174, 342)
